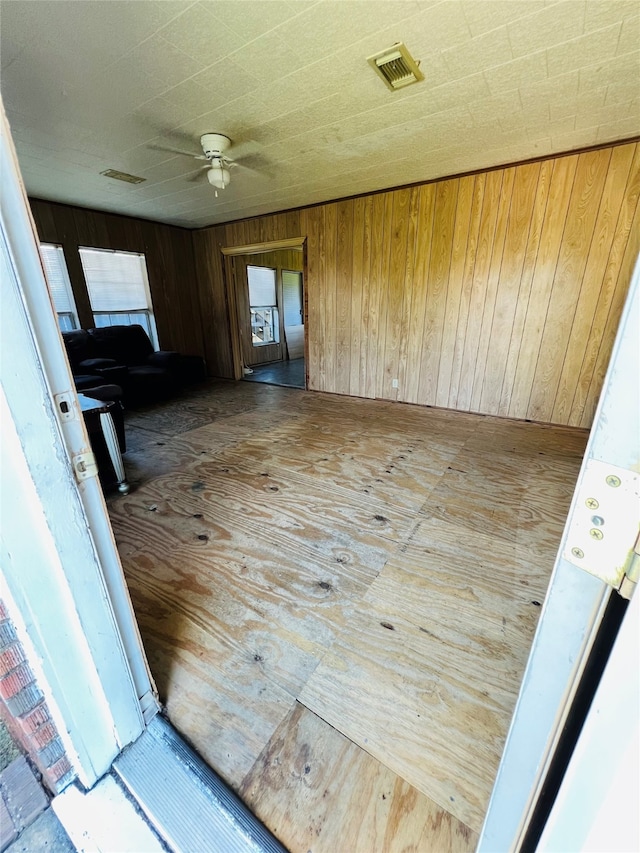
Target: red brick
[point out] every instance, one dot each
(44, 735)
(16, 681)
(24, 700)
(59, 769)
(10, 659)
(34, 719)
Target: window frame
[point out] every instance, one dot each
(73, 314)
(274, 309)
(151, 328)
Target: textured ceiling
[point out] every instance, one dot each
(94, 84)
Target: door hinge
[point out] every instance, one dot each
(602, 532)
(632, 574)
(85, 465)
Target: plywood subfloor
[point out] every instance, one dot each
(354, 580)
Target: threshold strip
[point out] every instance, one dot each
(190, 807)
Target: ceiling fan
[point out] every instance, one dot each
(218, 165)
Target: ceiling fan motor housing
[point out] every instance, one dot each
(214, 144)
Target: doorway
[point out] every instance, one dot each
(266, 289)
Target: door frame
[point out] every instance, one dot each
(231, 289)
(275, 351)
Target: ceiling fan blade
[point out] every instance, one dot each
(177, 151)
(253, 163)
(199, 174)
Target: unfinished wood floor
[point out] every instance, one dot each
(337, 597)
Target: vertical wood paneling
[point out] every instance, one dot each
(504, 207)
(411, 390)
(543, 180)
(367, 238)
(357, 285)
(330, 313)
(510, 275)
(375, 284)
(385, 286)
(454, 290)
(464, 306)
(578, 231)
(395, 293)
(562, 178)
(404, 364)
(616, 180)
(438, 276)
(343, 292)
(626, 241)
(629, 260)
(498, 293)
(312, 227)
(480, 281)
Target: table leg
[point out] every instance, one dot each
(111, 440)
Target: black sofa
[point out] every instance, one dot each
(124, 356)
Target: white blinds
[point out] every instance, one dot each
(57, 277)
(262, 286)
(116, 281)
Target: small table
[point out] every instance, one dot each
(103, 408)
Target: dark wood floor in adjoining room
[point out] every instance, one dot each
(337, 597)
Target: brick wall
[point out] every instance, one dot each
(25, 712)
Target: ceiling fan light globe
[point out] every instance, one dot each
(218, 177)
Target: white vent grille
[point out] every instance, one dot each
(396, 67)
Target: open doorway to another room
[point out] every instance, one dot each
(269, 290)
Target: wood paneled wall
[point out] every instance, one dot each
(498, 293)
(170, 265)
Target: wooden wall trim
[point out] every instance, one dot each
(264, 248)
(496, 292)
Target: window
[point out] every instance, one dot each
(59, 286)
(118, 289)
(265, 322)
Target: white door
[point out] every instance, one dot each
(583, 607)
(61, 572)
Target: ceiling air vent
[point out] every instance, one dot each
(396, 66)
(122, 176)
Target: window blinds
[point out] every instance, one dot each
(116, 281)
(262, 286)
(57, 277)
